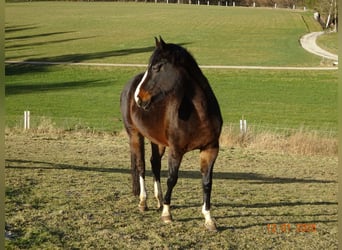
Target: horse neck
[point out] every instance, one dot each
(202, 84)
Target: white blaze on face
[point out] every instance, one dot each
(137, 90)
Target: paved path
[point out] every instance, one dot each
(308, 42)
(145, 65)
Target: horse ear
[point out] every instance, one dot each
(160, 43)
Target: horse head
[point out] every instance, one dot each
(161, 77)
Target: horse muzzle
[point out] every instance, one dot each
(144, 104)
(143, 100)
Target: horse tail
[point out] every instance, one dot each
(136, 139)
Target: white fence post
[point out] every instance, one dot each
(243, 126)
(26, 120)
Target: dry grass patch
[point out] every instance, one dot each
(300, 141)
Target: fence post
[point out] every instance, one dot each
(26, 120)
(243, 126)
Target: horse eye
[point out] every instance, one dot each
(157, 67)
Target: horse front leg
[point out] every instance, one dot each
(157, 154)
(174, 160)
(138, 168)
(208, 157)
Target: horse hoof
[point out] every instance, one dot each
(211, 226)
(166, 219)
(143, 208)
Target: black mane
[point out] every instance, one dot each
(176, 55)
(180, 57)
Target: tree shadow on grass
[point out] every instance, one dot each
(23, 42)
(80, 57)
(16, 47)
(65, 58)
(250, 178)
(24, 89)
(41, 64)
(22, 37)
(16, 28)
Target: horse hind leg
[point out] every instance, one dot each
(138, 168)
(208, 157)
(157, 154)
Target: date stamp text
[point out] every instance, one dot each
(273, 228)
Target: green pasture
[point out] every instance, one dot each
(124, 33)
(88, 97)
(73, 97)
(329, 42)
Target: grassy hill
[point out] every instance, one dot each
(88, 97)
(123, 32)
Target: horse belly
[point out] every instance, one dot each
(197, 136)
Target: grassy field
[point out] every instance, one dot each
(123, 33)
(83, 97)
(329, 42)
(87, 97)
(73, 191)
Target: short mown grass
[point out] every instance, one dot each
(329, 42)
(124, 32)
(73, 191)
(87, 97)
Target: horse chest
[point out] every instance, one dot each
(153, 126)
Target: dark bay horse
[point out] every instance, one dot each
(172, 105)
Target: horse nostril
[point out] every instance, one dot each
(143, 104)
(139, 101)
(146, 104)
